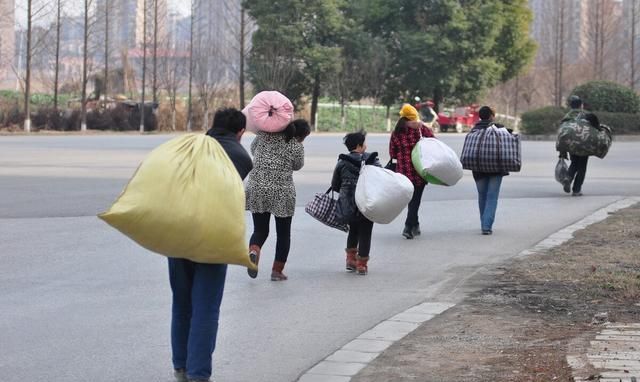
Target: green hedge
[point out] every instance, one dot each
(608, 96)
(546, 120)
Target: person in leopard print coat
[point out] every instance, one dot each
(270, 190)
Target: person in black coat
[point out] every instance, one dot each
(345, 178)
(197, 288)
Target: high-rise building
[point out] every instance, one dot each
(126, 18)
(569, 23)
(7, 37)
(216, 26)
(560, 22)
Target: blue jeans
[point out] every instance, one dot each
(197, 293)
(488, 192)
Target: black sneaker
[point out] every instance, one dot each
(407, 232)
(416, 230)
(487, 232)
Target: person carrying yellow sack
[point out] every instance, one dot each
(186, 201)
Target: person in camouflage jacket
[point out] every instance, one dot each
(597, 145)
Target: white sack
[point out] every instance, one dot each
(382, 194)
(436, 162)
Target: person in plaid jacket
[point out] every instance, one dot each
(409, 129)
(487, 183)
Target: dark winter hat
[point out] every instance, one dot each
(574, 101)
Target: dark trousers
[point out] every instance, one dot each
(577, 171)
(283, 233)
(197, 294)
(360, 236)
(414, 206)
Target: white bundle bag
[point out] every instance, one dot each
(436, 162)
(382, 194)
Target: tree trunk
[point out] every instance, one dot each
(56, 79)
(85, 58)
(205, 122)
(144, 63)
(242, 52)
(388, 118)
(106, 50)
(437, 99)
(632, 79)
(343, 117)
(27, 80)
(314, 101)
(155, 52)
(561, 59)
(190, 102)
(173, 118)
(516, 96)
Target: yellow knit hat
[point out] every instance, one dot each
(409, 112)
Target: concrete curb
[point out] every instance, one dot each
(347, 361)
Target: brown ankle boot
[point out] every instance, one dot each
(254, 256)
(351, 258)
(361, 265)
(276, 271)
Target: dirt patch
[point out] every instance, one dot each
(533, 314)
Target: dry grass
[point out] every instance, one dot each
(603, 259)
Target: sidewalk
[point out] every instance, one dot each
(566, 310)
(570, 312)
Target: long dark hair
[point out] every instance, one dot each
(401, 125)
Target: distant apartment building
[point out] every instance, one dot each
(7, 37)
(568, 22)
(215, 35)
(126, 21)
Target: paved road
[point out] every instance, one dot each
(82, 302)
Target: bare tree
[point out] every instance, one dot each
(208, 73)
(107, 9)
(144, 62)
(633, 15)
(559, 44)
(191, 64)
(89, 23)
(35, 11)
(241, 26)
(172, 76)
(56, 81)
(273, 66)
(602, 31)
(154, 86)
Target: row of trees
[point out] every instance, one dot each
(347, 50)
(388, 51)
(200, 65)
(580, 41)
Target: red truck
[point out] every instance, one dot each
(461, 119)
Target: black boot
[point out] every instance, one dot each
(408, 232)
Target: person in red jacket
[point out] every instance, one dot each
(409, 129)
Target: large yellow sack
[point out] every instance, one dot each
(186, 200)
